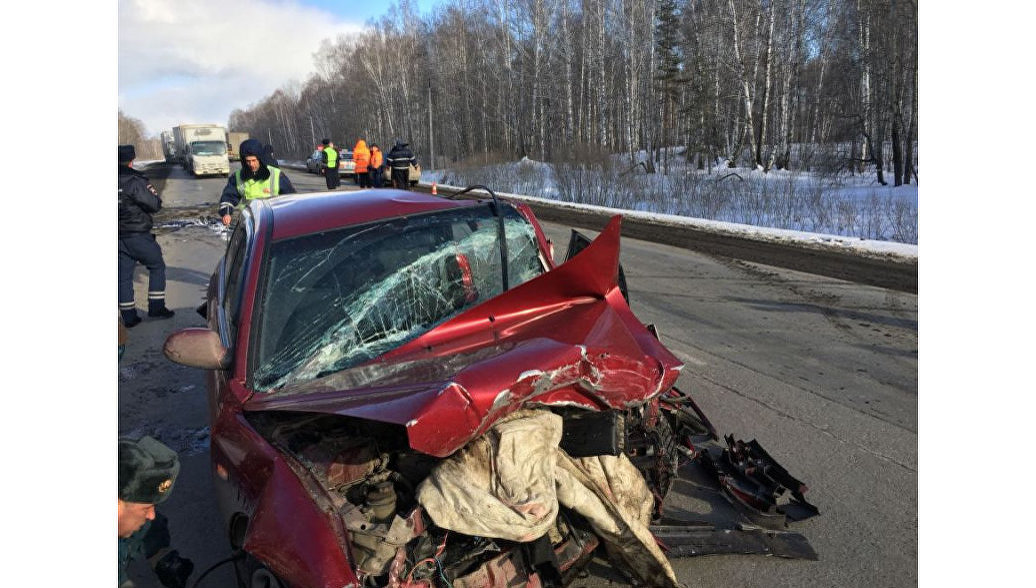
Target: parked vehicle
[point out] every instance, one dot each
(346, 165)
(413, 174)
(315, 161)
(202, 149)
(234, 140)
(407, 391)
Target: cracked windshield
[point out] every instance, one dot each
(335, 300)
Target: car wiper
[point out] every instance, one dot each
(501, 233)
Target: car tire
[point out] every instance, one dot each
(254, 574)
(264, 578)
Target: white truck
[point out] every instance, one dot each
(168, 147)
(202, 149)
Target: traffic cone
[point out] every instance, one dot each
(434, 191)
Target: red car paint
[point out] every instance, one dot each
(567, 336)
(564, 338)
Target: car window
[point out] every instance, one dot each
(340, 298)
(233, 272)
(316, 155)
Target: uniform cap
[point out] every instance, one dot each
(147, 470)
(127, 153)
(326, 142)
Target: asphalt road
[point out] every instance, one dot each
(822, 372)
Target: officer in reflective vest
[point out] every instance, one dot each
(330, 155)
(254, 180)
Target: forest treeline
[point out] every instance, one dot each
(132, 131)
(736, 82)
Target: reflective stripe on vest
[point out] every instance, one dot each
(252, 189)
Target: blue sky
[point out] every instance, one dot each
(352, 10)
(194, 61)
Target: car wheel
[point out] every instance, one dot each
(264, 578)
(254, 574)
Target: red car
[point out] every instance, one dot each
(405, 391)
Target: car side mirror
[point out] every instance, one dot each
(197, 347)
(577, 243)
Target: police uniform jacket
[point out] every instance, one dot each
(138, 200)
(231, 196)
(400, 157)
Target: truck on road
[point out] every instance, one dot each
(202, 149)
(234, 140)
(168, 147)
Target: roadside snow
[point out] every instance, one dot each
(750, 231)
(862, 189)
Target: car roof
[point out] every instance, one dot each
(301, 214)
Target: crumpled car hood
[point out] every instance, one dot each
(564, 338)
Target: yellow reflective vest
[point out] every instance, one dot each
(252, 189)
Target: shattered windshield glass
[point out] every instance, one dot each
(334, 300)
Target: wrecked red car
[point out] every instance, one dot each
(405, 391)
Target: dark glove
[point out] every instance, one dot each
(173, 570)
(156, 538)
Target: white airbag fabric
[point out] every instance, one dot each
(507, 484)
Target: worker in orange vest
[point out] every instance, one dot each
(377, 162)
(362, 157)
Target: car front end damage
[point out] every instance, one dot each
(503, 447)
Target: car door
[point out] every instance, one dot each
(229, 293)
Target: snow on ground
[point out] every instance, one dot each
(851, 202)
(750, 231)
(861, 190)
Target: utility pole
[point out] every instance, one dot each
(312, 133)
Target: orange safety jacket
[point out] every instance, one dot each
(361, 156)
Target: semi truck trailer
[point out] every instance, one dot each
(234, 140)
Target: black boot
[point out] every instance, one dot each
(130, 318)
(156, 309)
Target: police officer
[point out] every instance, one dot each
(255, 179)
(400, 158)
(138, 200)
(147, 472)
(330, 155)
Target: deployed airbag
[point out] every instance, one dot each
(508, 483)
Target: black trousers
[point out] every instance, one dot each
(143, 248)
(401, 178)
(331, 178)
(376, 177)
(364, 179)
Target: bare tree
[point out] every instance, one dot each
(506, 78)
